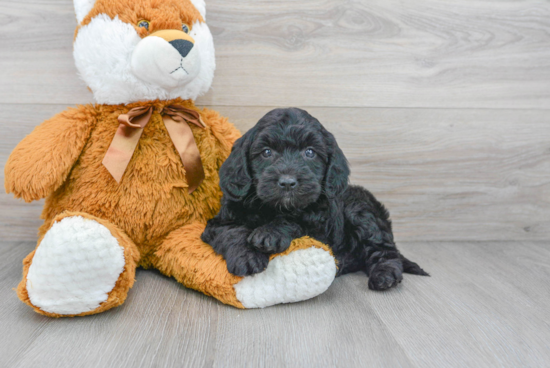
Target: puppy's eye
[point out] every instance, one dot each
(185, 28)
(309, 153)
(143, 24)
(267, 153)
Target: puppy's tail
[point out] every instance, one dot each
(413, 268)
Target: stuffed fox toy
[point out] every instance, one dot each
(131, 180)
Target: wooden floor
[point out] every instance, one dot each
(443, 109)
(486, 305)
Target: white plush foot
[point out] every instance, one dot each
(75, 267)
(300, 275)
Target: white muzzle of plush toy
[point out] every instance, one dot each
(168, 59)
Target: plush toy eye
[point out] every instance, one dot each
(185, 28)
(267, 153)
(143, 24)
(309, 153)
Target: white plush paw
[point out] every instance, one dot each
(300, 275)
(75, 267)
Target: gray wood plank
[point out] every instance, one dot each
(336, 329)
(482, 53)
(19, 327)
(445, 174)
(484, 306)
(480, 308)
(160, 324)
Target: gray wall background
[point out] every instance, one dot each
(441, 107)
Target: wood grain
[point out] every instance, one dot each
(330, 53)
(484, 306)
(442, 110)
(444, 174)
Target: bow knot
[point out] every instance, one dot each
(176, 120)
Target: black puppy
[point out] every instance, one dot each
(287, 178)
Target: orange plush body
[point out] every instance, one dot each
(149, 219)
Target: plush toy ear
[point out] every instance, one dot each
(235, 178)
(337, 175)
(201, 7)
(82, 8)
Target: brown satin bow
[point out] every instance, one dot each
(175, 118)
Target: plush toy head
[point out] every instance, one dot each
(138, 50)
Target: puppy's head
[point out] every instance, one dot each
(288, 160)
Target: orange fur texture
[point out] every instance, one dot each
(61, 160)
(162, 14)
(150, 212)
(183, 251)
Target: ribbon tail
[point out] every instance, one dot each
(184, 141)
(121, 150)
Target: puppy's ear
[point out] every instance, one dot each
(235, 179)
(337, 175)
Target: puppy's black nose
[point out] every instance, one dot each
(183, 46)
(287, 182)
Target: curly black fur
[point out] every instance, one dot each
(287, 178)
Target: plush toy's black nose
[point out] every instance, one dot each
(287, 182)
(183, 46)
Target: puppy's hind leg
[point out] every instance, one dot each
(384, 269)
(371, 239)
(412, 267)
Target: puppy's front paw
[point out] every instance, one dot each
(384, 276)
(267, 239)
(246, 262)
